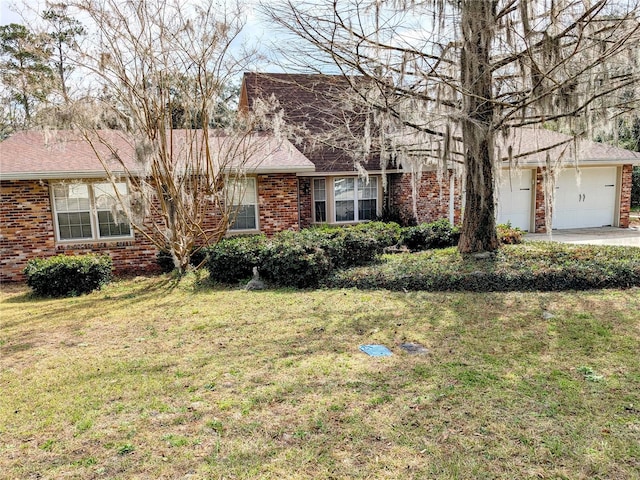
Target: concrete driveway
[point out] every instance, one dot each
(591, 236)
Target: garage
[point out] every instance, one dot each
(515, 198)
(585, 199)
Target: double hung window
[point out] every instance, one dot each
(244, 204)
(320, 199)
(89, 211)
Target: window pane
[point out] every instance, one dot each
(367, 190)
(245, 218)
(319, 199)
(344, 211)
(72, 197)
(105, 194)
(108, 227)
(321, 211)
(244, 199)
(74, 225)
(242, 191)
(319, 189)
(343, 188)
(367, 209)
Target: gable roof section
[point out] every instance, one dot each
(65, 154)
(314, 102)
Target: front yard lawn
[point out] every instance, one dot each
(148, 379)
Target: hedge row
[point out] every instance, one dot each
(537, 266)
(65, 275)
(303, 259)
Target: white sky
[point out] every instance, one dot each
(6, 15)
(255, 32)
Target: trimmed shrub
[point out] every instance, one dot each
(233, 259)
(165, 262)
(65, 275)
(386, 234)
(354, 245)
(508, 235)
(438, 234)
(291, 263)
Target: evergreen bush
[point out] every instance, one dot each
(232, 259)
(65, 275)
(543, 266)
(438, 234)
(165, 261)
(289, 262)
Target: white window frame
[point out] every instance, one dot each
(330, 198)
(92, 209)
(320, 195)
(238, 198)
(357, 184)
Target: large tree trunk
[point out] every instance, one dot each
(479, 224)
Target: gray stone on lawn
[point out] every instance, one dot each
(414, 348)
(547, 315)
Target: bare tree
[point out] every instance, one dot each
(449, 81)
(159, 71)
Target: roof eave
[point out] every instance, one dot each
(57, 175)
(585, 162)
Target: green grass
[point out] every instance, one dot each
(148, 379)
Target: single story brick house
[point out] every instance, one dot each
(50, 200)
(50, 186)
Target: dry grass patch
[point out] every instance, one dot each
(146, 379)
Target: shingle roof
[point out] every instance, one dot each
(315, 102)
(585, 151)
(65, 154)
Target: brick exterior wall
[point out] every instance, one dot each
(625, 195)
(305, 201)
(433, 197)
(27, 228)
(540, 225)
(278, 203)
(27, 231)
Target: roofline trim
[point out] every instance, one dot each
(350, 173)
(62, 175)
(587, 162)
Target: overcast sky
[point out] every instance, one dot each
(256, 31)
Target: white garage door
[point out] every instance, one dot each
(515, 198)
(591, 202)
